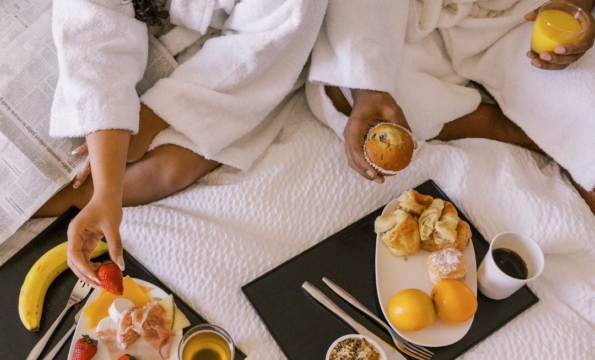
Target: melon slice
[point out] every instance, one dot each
(180, 320)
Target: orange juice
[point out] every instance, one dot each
(552, 28)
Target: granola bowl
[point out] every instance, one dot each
(354, 346)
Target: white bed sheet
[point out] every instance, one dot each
(208, 240)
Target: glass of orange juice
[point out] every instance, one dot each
(206, 342)
(557, 23)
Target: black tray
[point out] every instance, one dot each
(304, 329)
(15, 340)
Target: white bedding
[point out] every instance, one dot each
(230, 227)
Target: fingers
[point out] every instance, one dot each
(114, 242)
(532, 15)
(395, 115)
(83, 174)
(550, 61)
(579, 47)
(355, 137)
(78, 257)
(357, 162)
(83, 149)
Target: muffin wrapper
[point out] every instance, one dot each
(381, 170)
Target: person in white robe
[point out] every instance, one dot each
(410, 61)
(218, 107)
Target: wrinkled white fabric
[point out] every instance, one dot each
(446, 44)
(207, 241)
(221, 101)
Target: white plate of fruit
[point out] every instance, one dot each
(143, 322)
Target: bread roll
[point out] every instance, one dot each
(389, 148)
(429, 217)
(446, 264)
(414, 202)
(399, 231)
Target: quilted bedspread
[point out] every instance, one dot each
(230, 227)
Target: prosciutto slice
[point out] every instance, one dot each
(126, 333)
(153, 327)
(148, 323)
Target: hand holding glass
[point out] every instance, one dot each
(558, 23)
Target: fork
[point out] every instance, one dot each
(415, 351)
(80, 291)
(52, 354)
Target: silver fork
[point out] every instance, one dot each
(52, 354)
(80, 291)
(415, 351)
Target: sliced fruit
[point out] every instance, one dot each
(168, 305)
(180, 320)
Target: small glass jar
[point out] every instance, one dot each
(205, 330)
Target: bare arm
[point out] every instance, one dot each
(103, 215)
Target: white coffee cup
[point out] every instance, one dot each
(496, 284)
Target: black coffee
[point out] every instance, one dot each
(511, 263)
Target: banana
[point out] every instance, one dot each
(38, 280)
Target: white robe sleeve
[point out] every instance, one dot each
(360, 44)
(228, 88)
(102, 53)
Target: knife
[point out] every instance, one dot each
(391, 352)
(52, 354)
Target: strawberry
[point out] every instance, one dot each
(126, 357)
(85, 348)
(110, 278)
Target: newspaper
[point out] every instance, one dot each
(16, 16)
(33, 165)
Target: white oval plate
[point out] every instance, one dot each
(394, 274)
(139, 348)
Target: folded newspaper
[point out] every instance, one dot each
(33, 165)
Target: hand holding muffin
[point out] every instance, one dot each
(369, 109)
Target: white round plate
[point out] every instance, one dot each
(139, 348)
(394, 274)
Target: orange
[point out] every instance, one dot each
(454, 301)
(411, 310)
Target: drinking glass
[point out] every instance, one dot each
(557, 23)
(198, 330)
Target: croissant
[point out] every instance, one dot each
(414, 202)
(429, 217)
(445, 230)
(399, 231)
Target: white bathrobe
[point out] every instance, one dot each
(424, 52)
(220, 103)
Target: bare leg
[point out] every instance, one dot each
(160, 173)
(487, 122)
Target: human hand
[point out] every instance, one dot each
(369, 108)
(565, 54)
(100, 218)
(150, 124)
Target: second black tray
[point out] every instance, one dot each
(304, 329)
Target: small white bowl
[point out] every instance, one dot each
(356, 336)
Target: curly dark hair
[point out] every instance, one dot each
(152, 12)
